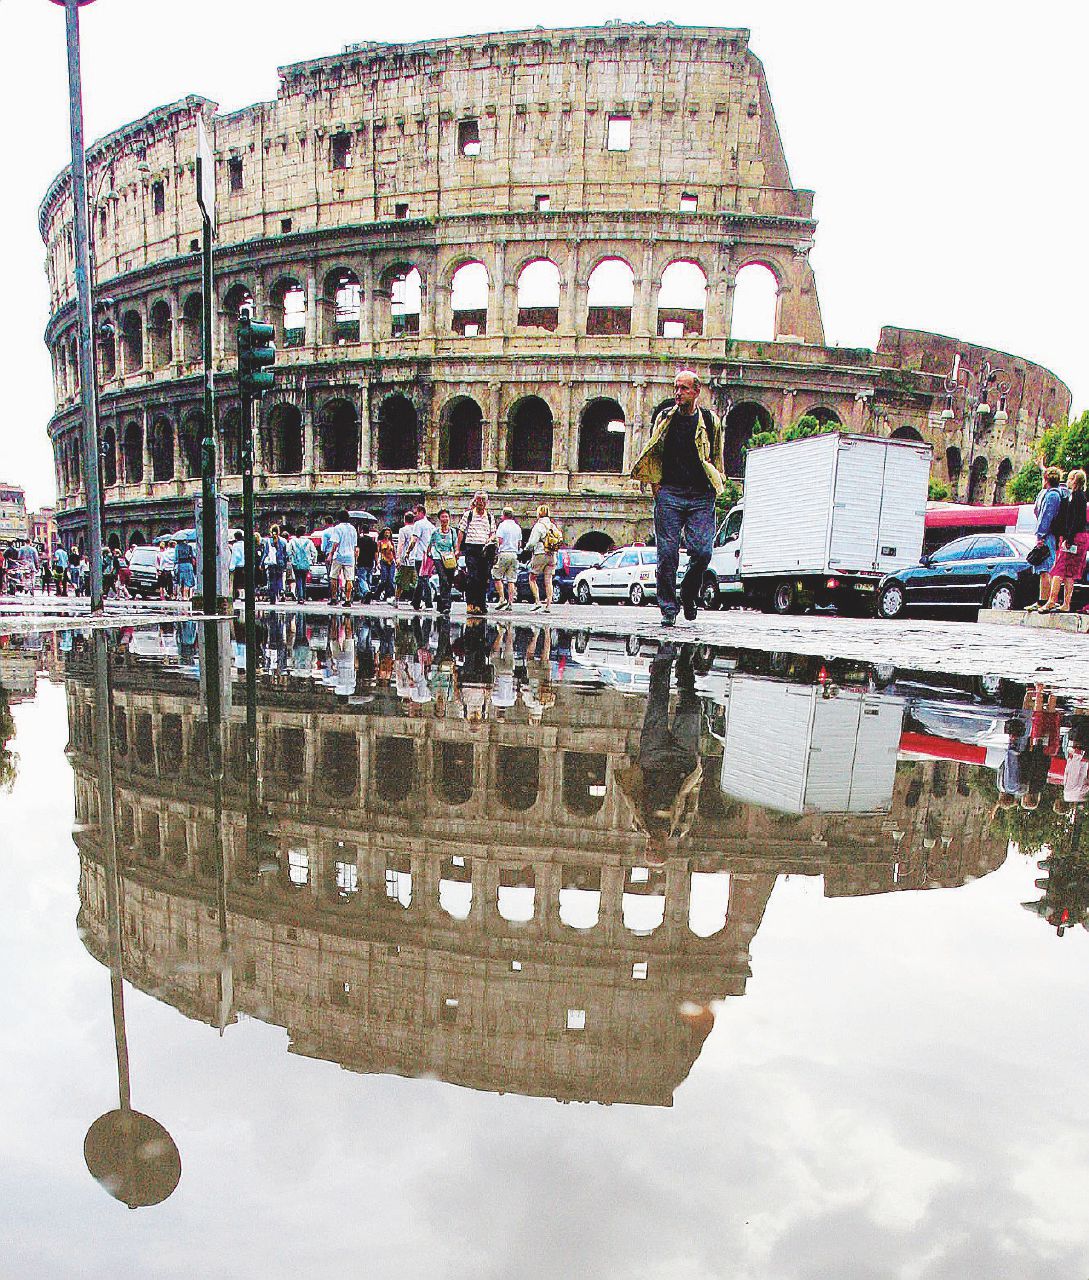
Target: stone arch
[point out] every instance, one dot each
(161, 448)
(454, 768)
(539, 295)
(756, 302)
(662, 405)
(1002, 478)
(190, 441)
(60, 361)
(682, 300)
(133, 452)
(610, 297)
(743, 420)
(529, 435)
(907, 432)
(109, 456)
(338, 433)
(283, 439)
(398, 434)
(601, 446)
(469, 294)
(401, 286)
(159, 334)
(107, 351)
(825, 415)
(953, 466)
(461, 435)
(230, 437)
(977, 479)
(193, 329)
(132, 342)
(595, 540)
(517, 776)
(341, 307)
(584, 781)
(287, 308)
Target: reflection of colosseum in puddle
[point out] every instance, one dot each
(493, 925)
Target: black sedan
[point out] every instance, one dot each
(981, 571)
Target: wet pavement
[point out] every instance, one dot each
(307, 955)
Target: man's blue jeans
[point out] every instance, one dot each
(693, 514)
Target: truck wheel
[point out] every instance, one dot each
(582, 593)
(784, 598)
(709, 596)
(890, 603)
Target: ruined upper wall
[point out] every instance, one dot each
(702, 125)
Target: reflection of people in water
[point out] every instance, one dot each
(662, 787)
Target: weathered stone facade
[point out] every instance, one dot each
(391, 901)
(642, 145)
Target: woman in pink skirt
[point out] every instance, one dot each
(1073, 547)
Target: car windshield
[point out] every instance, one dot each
(610, 562)
(952, 550)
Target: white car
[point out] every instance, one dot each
(625, 574)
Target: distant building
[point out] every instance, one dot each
(13, 521)
(43, 528)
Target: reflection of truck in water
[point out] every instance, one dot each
(810, 749)
(823, 520)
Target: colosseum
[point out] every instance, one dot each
(484, 259)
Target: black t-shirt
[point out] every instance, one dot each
(681, 466)
(368, 549)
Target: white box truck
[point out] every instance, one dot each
(822, 521)
(809, 749)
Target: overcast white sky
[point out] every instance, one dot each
(946, 143)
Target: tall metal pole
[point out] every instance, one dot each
(209, 494)
(246, 426)
(87, 375)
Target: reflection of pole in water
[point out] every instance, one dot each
(130, 1153)
(215, 670)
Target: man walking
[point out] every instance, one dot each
(508, 536)
(683, 465)
(419, 553)
(303, 556)
(343, 543)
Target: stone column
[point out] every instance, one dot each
(495, 443)
(363, 463)
(313, 336)
(497, 295)
(179, 464)
(147, 444)
(366, 303)
(571, 428)
(612, 901)
(788, 406)
(309, 460)
(642, 325)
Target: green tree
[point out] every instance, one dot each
(759, 439)
(807, 426)
(1065, 446)
(729, 497)
(937, 491)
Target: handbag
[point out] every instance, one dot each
(491, 554)
(449, 562)
(1039, 553)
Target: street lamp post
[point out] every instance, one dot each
(87, 371)
(977, 389)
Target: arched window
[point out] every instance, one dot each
(469, 299)
(404, 287)
(398, 442)
(456, 887)
(132, 342)
(682, 300)
(158, 327)
(338, 431)
(283, 440)
(339, 767)
(453, 770)
(907, 433)
(1002, 478)
(529, 435)
(162, 449)
(230, 433)
(539, 295)
(643, 901)
(580, 896)
(824, 415)
(601, 437)
(340, 308)
(517, 776)
(515, 893)
(977, 480)
(190, 441)
(107, 351)
(953, 465)
(61, 360)
(743, 421)
(287, 301)
(595, 540)
(708, 902)
(109, 456)
(461, 435)
(73, 364)
(192, 329)
(610, 298)
(756, 299)
(133, 447)
(584, 775)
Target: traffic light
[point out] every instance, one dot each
(256, 354)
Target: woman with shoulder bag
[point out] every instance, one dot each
(444, 558)
(1074, 546)
(476, 541)
(544, 539)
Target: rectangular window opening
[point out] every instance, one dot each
(516, 966)
(448, 1010)
(194, 246)
(639, 970)
(468, 137)
(672, 328)
(234, 169)
(542, 203)
(400, 209)
(689, 202)
(285, 226)
(340, 151)
(347, 877)
(158, 197)
(619, 136)
(298, 866)
(639, 875)
(576, 1019)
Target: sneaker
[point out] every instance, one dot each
(669, 620)
(689, 610)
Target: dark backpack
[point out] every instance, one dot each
(1060, 526)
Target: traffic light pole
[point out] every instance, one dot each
(209, 487)
(250, 601)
